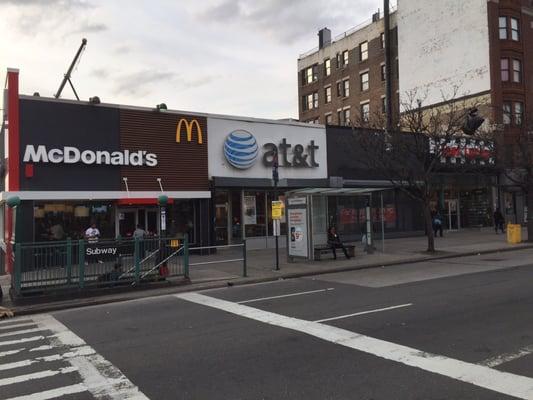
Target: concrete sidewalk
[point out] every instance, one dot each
(260, 266)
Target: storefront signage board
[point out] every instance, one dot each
(247, 149)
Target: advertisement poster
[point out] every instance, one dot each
(348, 216)
(298, 232)
(250, 211)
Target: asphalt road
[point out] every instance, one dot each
(455, 329)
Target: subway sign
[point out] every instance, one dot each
(73, 155)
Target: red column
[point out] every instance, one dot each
(13, 165)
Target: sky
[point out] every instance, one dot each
(236, 57)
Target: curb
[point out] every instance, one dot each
(94, 301)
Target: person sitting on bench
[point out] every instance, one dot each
(334, 241)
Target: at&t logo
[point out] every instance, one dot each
(241, 149)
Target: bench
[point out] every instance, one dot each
(321, 250)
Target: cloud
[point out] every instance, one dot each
(285, 21)
(100, 73)
(139, 83)
(88, 27)
(47, 3)
(124, 49)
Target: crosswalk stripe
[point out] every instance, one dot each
(3, 328)
(12, 321)
(11, 352)
(79, 352)
(36, 375)
(54, 393)
(23, 340)
(21, 332)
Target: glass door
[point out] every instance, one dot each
(452, 214)
(127, 221)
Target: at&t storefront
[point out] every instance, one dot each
(241, 156)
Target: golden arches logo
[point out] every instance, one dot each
(189, 125)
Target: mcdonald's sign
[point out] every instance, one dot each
(189, 125)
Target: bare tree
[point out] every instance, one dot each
(426, 142)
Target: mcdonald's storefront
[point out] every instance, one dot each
(74, 164)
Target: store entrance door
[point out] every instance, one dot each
(221, 224)
(129, 218)
(451, 207)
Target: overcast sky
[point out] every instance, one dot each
(221, 56)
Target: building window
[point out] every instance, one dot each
(339, 117)
(504, 63)
(345, 58)
(346, 87)
(329, 119)
(517, 71)
(363, 51)
(310, 74)
(515, 29)
(383, 73)
(327, 93)
(346, 116)
(518, 113)
(384, 105)
(382, 39)
(338, 57)
(364, 82)
(339, 89)
(310, 101)
(365, 112)
(327, 67)
(507, 113)
(503, 27)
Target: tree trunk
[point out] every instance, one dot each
(429, 227)
(529, 203)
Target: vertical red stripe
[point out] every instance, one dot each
(14, 126)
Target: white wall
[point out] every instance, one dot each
(265, 132)
(443, 43)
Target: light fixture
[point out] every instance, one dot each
(94, 100)
(161, 106)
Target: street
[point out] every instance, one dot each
(449, 329)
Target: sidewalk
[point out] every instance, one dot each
(260, 265)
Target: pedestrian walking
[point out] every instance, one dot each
(437, 223)
(499, 221)
(334, 241)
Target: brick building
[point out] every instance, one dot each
(343, 79)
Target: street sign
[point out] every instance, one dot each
(276, 225)
(277, 210)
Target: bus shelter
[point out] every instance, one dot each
(308, 223)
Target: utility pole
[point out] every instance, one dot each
(388, 67)
(66, 78)
(276, 222)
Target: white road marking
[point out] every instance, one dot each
(507, 357)
(10, 352)
(21, 332)
(36, 375)
(54, 393)
(26, 324)
(13, 321)
(478, 375)
(78, 352)
(285, 295)
(100, 377)
(23, 340)
(364, 312)
(42, 348)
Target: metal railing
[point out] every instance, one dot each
(52, 266)
(223, 260)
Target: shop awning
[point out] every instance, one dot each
(104, 195)
(335, 191)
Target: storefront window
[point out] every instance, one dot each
(62, 220)
(181, 215)
(254, 217)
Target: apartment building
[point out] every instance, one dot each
(343, 80)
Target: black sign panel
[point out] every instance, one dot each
(57, 125)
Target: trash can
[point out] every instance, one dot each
(514, 233)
